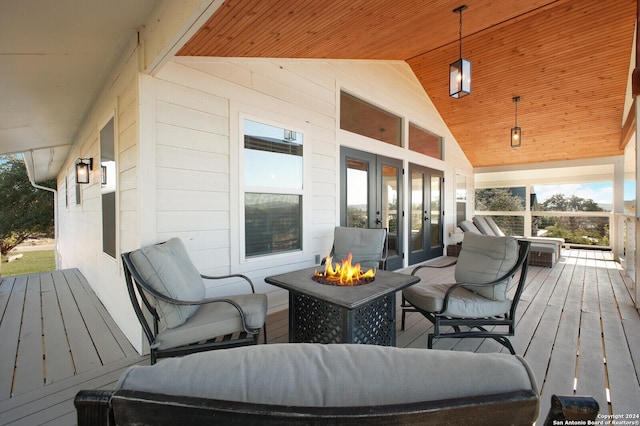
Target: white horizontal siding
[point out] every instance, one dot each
(198, 107)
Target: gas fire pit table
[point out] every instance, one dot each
(321, 313)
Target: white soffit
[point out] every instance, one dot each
(54, 58)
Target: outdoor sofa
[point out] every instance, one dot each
(301, 383)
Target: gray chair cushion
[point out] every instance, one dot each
(465, 304)
(366, 245)
(216, 319)
(483, 226)
(494, 226)
(168, 269)
(483, 259)
(336, 375)
(469, 226)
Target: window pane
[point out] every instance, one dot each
(272, 156)
(108, 188)
(435, 211)
(461, 198)
(390, 184)
(501, 199)
(417, 210)
(273, 223)
(357, 193)
(425, 142)
(367, 120)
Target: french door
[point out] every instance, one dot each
(371, 197)
(427, 215)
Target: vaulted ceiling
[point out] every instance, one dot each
(568, 60)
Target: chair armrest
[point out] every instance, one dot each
(521, 263)
(173, 301)
(434, 264)
(93, 407)
(221, 277)
(571, 407)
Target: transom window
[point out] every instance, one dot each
(360, 117)
(425, 142)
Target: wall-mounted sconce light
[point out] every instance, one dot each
(83, 167)
(460, 70)
(516, 132)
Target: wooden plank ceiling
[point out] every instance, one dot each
(568, 60)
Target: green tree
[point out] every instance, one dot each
(24, 210)
(498, 199)
(575, 229)
(559, 202)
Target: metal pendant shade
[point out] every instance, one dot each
(460, 70)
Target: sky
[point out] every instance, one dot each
(601, 193)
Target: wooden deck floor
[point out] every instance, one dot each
(577, 328)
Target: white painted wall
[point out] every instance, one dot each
(199, 106)
(178, 144)
(80, 242)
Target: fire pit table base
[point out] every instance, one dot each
(312, 320)
(320, 313)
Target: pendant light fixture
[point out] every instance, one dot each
(516, 131)
(460, 70)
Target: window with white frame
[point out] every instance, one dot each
(273, 185)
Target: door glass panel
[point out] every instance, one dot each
(357, 193)
(435, 211)
(417, 210)
(390, 206)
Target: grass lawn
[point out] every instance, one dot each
(32, 262)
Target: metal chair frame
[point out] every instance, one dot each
(477, 326)
(137, 287)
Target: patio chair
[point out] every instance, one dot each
(478, 305)
(367, 245)
(162, 279)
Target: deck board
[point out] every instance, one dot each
(10, 334)
(83, 352)
(571, 319)
(29, 366)
(58, 363)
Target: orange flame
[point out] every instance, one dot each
(345, 274)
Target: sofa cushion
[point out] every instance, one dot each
(336, 375)
(483, 259)
(166, 267)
